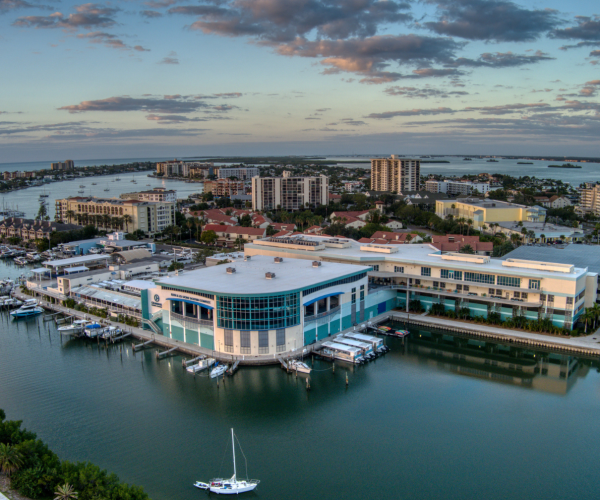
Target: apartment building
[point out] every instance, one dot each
(18, 174)
(179, 168)
(289, 193)
(224, 187)
(456, 187)
(63, 165)
(242, 173)
(29, 229)
(156, 194)
(115, 214)
(590, 199)
(486, 212)
(513, 287)
(395, 174)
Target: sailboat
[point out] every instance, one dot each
(229, 486)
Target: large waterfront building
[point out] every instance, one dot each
(456, 187)
(590, 199)
(114, 214)
(63, 165)
(224, 187)
(513, 287)
(395, 174)
(242, 173)
(289, 193)
(155, 194)
(486, 212)
(29, 229)
(179, 168)
(263, 305)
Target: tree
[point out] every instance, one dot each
(176, 231)
(208, 237)
(65, 492)
(127, 219)
(240, 241)
(10, 459)
(190, 224)
(42, 212)
(70, 214)
(467, 249)
(246, 221)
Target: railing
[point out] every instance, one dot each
(189, 319)
(308, 319)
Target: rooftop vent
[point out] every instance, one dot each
(230, 270)
(247, 257)
(278, 260)
(270, 276)
(316, 263)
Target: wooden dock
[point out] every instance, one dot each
(163, 354)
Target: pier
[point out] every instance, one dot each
(163, 354)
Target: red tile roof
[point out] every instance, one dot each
(454, 242)
(247, 231)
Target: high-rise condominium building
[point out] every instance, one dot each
(395, 174)
(63, 165)
(241, 173)
(289, 193)
(590, 199)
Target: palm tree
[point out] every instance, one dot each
(514, 238)
(588, 315)
(107, 219)
(190, 225)
(543, 238)
(10, 459)
(176, 231)
(70, 214)
(65, 492)
(469, 224)
(239, 241)
(127, 219)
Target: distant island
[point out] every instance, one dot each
(524, 163)
(565, 165)
(435, 161)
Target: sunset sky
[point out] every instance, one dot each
(183, 78)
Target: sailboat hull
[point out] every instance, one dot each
(233, 489)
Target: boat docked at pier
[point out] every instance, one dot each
(9, 302)
(29, 308)
(299, 366)
(366, 349)
(92, 330)
(21, 261)
(376, 342)
(75, 329)
(218, 370)
(230, 486)
(203, 364)
(343, 352)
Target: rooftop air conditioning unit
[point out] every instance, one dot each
(316, 263)
(270, 276)
(278, 260)
(230, 270)
(247, 257)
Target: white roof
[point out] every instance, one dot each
(249, 278)
(115, 298)
(417, 254)
(75, 260)
(40, 270)
(140, 284)
(77, 269)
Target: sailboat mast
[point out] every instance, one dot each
(233, 447)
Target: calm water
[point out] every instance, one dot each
(436, 418)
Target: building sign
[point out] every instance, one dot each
(193, 299)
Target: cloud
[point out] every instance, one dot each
(170, 59)
(139, 48)
(580, 45)
(497, 20)
(286, 20)
(508, 108)
(423, 93)
(106, 39)
(595, 53)
(166, 119)
(588, 28)
(354, 123)
(88, 16)
(7, 5)
(501, 60)
(410, 112)
(166, 105)
(150, 14)
(312, 118)
(159, 4)
(322, 110)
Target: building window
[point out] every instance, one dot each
(350, 279)
(451, 275)
(459, 287)
(465, 288)
(492, 291)
(480, 278)
(550, 298)
(570, 300)
(362, 295)
(228, 337)
(263, 342)
(425, 271)
(509, 281)
(376, 267)
(436, 284)
(245, 342)
(534, 284)
(542, 297)
(442, 284)
(524, 295)
(258, 313)
(399, 269)
(280, 337)
(517, 295)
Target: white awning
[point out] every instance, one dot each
(78, 269)
(40, 270)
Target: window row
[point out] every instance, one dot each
(263, 338)
(350, 279)
(258, 313)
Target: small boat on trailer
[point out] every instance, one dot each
(229, 486)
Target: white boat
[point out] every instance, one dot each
(203, 364)
(218, 370)
(29, 308)
(229, 486)
(21, 261)
(110, 331)
(9, 302)
(75, 328)
(299, 366)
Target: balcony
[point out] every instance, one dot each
(190, 319)
(309, 319)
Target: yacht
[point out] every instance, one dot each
(218, 370)
(229, 486)
(9, 302)
(74, 329)
(299, 366)
(117, 179)
(203, 364)
(29, 308)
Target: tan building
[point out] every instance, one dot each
(395, 174)
(115, 214)
(179, 168)
(590, 199)
(289, 193)
(156, 194)
(29, 230)
(224, 187)
(63, 165)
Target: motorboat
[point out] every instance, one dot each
(299, 366)
(93, 183)
(110, 331)
(21, 261)
(9, 302)
(229, 486)
(29, 308)
(74, 329)
(92, 330)
(81, 186)
(218, 370)
(203, 364)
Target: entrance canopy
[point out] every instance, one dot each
(199, 304)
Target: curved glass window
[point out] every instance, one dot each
(258, 313)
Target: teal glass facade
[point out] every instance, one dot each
(258, 313)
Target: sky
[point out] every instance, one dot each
(256, 77)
